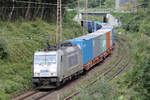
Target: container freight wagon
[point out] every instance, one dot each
(109, 28)
(99, 44)
(86, 47)
(108, 33)
(98, 25)
(90, 25)
(94, 48)
(108, 41)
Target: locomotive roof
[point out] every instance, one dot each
(44, 52)
(85, 37)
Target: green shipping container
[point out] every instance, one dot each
(99, 43)
(104, 42)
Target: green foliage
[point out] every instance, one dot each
(137, 77)
(134, 83)
(146, 77)
(95, 3)
(3, 95)
(99, 91)
(69, 15)
(3, 49)
(144, 3)
(110, 4)
(92, 3)
(145, 27)
(135, 23)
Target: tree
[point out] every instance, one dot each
(31, 9)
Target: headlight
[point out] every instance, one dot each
(53, 74)
(36, 74)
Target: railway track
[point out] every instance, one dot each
(34, 95)
(38, 95)
(107, 71)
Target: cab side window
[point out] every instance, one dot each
(73, 60)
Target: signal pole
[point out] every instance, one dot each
(100, 4)
(78, 10)
(86, 13)
(135, 6)
(59, 22)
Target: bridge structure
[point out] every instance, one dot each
(95, 13)
(102, 12)
(99, 12)
(105, 13)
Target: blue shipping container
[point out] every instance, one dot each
(98, 25)
(90, 26)
(99, 44)
(86, 47)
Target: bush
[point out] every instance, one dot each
(99, 91)
(134, 83)
(145, 27)
(3, 95)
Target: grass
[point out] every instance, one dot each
(18, 42)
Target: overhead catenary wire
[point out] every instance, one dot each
(26, 7)
(55, 4)
(36, 3)
(47, 3)
(51, 4)
(39, 3)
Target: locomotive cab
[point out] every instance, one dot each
(45, 67)
(45, 64)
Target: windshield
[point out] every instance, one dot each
(45, 59)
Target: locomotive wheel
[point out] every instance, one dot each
(36, 84)
(58, 83)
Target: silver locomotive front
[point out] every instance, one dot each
(45, 67)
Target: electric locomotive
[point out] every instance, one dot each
(56, 64)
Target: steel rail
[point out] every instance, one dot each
(28, 95)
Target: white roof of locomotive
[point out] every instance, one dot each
(44, 52)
